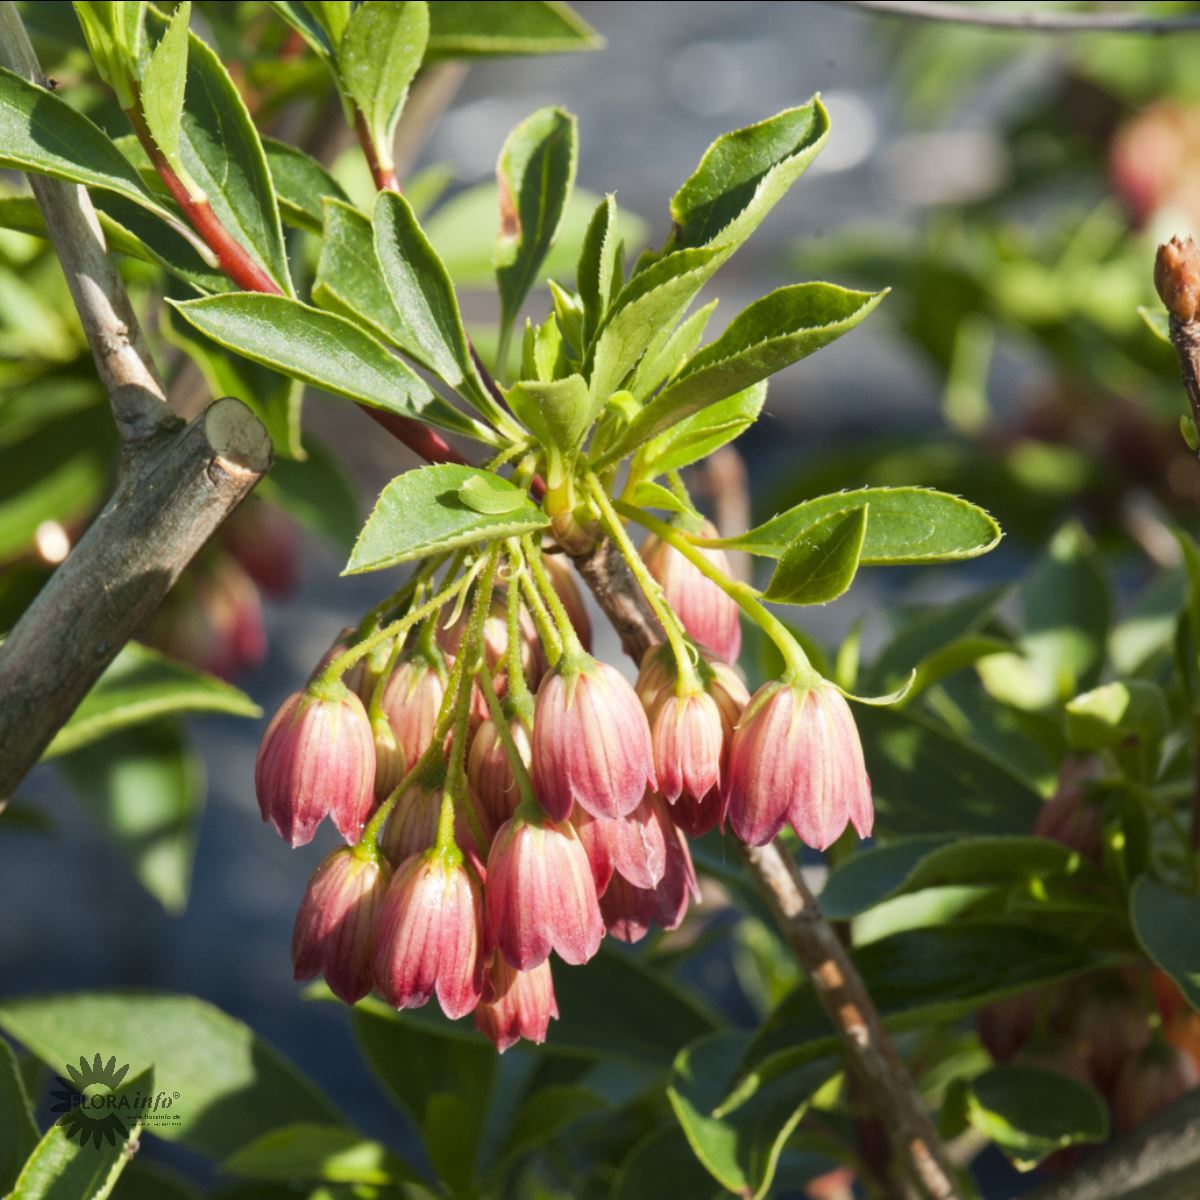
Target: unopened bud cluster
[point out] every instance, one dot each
(554, 809)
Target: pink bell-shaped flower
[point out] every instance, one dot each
(317, 758)
(635, 846)
(335, 928)
(516, 1004)
(430, 936)
(412, 698)
(591, 742)
(490, 772)
(541, 895)
(797, 759)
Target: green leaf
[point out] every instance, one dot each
(558, 413)
(771, 334)
(145, 788)
(740, 1147)
(648, 494)
(821, 563)
(1157, 321)
(16, 1119)
(444, 1083)
(663, 1164)
(491, 495)
(743, 174)
(310, 1151)
(378, 56)
(163, 84)
(916, 978)
(927, 780)
(1030, 1112)
(482, 28)
(141, 685)
(424, 298)
(63, 1167)
(463, 232)
(233, 1087)
(40, 132)
(301, 183)
(907, 525)
(697, 436)
(422, 512)
(668, 351)
(599, 275)
(911, 864)
(544, 1114)
(317, 493)
(325, 350)
(1168, 927)
(222, 154)
(1065, 611)
(1115, 712)
(309, 21)
(274, 398)
(653, 300)
(535, 173)
(116, 38)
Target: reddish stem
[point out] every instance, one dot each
(420, 439)
(384, 175)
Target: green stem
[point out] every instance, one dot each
(520, 771)
(518, 689)
(686, 679)
(572, 648)
(503, 347)
(797, 668)
(340, 665)
(551, 642)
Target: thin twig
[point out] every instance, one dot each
(118, 345)
(1035, 20)
(177, 483)
(822, 956)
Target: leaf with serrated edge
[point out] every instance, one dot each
(774, 332)
(163, 84)
(697, 436)
(535, 171)
(908, 525)
(422, 512)
(140, 685)
(474, 29)
(820, 564)
(598, 275)
(326, 350)
(301, 184)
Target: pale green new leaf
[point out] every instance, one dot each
(116, 39)
(599, 275)
(141, 685)
(40, 132)
(163, 84)
(558, 412)
(482, 28)
(535, 172)
(378, 55)
(325, 350)
(668, 351)
(308, 1151)
(423, 512)
(697, 436)
(908, 525)
(820, 564)
(743, 174)
(423, 296)
(771, 334)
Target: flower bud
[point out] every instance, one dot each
(704, 610)
(317, 758)
(495, 642)
(629, 910)
(491, 773)
(412, 826)
(390, 766)
(1107, 1020)
(563, 579)
(1150, 1081)
(688, 740)
(516, 1004)
(591, 742)
(635, 846)
(335, 928)
(430, 936)
(540, 895)
(796, 758)
(1071, 816)
(656, 676)
(1177, 278)
(412, 699)
(266, 544)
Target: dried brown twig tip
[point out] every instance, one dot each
(1177, 277)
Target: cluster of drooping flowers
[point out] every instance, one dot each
(505, 795)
